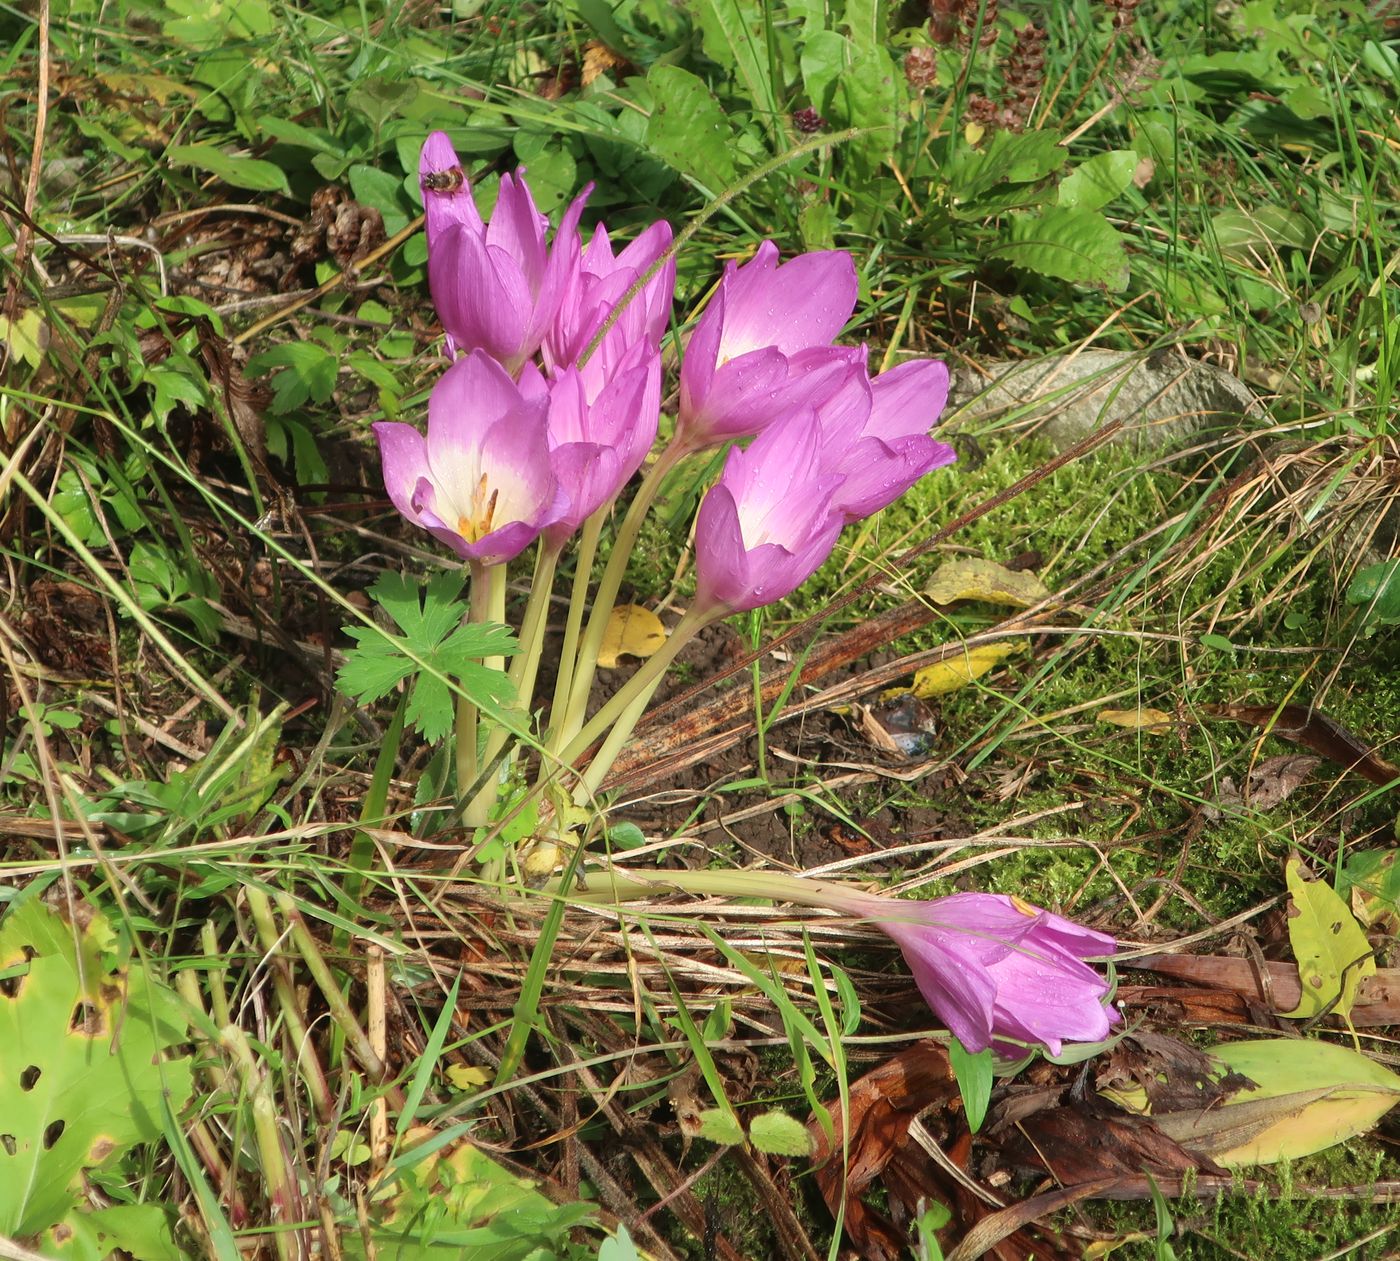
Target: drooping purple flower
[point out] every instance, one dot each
(481, 481)
(767, 525)
(735, 377)
(599, 437)
(875, 433)
(993, 967)
(596, 286)
(497, 287)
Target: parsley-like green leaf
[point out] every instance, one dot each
(433, 633)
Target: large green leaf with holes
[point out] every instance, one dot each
(84, 1067)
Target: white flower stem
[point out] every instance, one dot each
(615, 885)
(606, 595)
(640, 685)
(525, 665)
(578, 601)
(488, 604)
(465, 731)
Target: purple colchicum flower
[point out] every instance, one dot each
(600, 432)
(767, 525)
(993, 967)
(482, 481)
(496, 286)
(735, 377)
(599, 282)
(875, 433)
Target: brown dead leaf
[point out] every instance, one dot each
(1170, 1074)
(1276, 986)
(1268, 784)
(883, 1104)
(1091, 1139)
(1314, 730)
(917, 1083)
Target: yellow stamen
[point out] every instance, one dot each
(477, 521)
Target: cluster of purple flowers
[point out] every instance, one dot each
(552, 402)
(533, 428)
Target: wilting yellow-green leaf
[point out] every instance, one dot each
(27, 336)
(1308, 1095)
(1331, 949)
(958, 670)
(1155, 722)
(467, 1076)
(632, 631)
(972, 578)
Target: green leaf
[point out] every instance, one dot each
(1095, 183)
(1333, 954)
(83, 1069)
(719, 1125)
(871, 93)
(735, 34)
(974, 1074)
(1009, 158)
(431, 621)
(1240, 232)
(239, 172)
(824, 57)
(1218, 642)
(138, 1230)
(780, 1135)
(1079, 246)
(688, 130)
(310, 373)
(1378, 588)
(376, 187)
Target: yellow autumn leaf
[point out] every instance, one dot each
(467, 1076)
(972, 578)
(632, 631)
(1333, 954)
(958, 670)
(973, 133)
(1155, 722)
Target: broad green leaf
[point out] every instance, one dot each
(1306, 1095)
(719, 1125)
(138, 1230)
(824, 58)
(1079, 246)
(239, 172)
(871, 93)
(309, 374)
(735, 34)
(687, 128)
(27, 337)
(1095, 183)
(83, 1067)
(1009, 158)
(374, 186)
(1262, 228)
(1331, 949)
(1377, 587)
(779, 1134)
